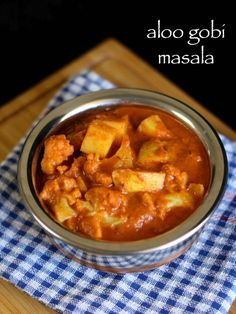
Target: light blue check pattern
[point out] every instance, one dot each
(203, 280)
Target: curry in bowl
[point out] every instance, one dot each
(123, 174)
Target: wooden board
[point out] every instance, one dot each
(119, 65)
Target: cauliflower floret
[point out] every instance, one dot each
(56, 150)
(175, 180)
(103, 198)
(92, 170)
(55, 188)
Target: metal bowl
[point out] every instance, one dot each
(134, 255)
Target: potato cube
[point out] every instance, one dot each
(110, 220)
(98, 139)
(120, 125)
(178, 199)
(138, 181)
(123, 158)
(63, 210)
(174, 200)
(153, 126)
(152, 152)
(196, 189)
(125, 153)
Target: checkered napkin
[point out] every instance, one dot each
(203, 280)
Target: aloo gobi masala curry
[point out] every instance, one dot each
(122, 174)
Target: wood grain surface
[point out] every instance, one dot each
(119, 65)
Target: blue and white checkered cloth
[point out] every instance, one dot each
(203, 280)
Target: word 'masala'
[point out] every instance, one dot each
(201, 58)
